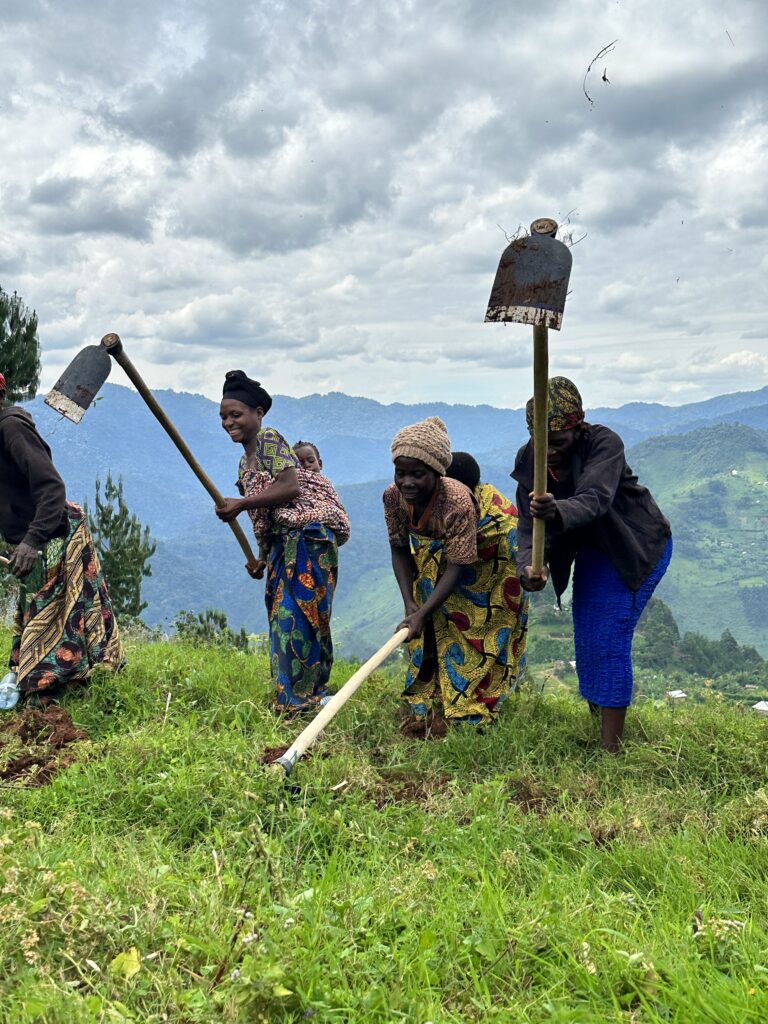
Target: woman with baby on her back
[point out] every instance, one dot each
(454, 558)
(300, 523)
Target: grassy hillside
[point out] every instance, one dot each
(713, 486)
(662, 658)
(519, 875)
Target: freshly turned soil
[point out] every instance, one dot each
(42, 735)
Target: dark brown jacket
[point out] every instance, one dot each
(602, 506)
(32, 495)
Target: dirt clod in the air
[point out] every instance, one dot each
(32, 745)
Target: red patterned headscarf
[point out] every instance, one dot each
(565, 409)
(2, 382)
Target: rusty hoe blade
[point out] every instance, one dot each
(77, 387)
(532, 280)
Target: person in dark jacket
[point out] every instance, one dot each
(604, 524)
(64, 622)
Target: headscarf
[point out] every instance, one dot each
(565, 409)
(427, 441)
(242, 389)
(2, 383)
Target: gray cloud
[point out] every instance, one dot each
(319, 187)
(67, 205)
(55, 191)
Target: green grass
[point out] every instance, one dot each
(518, 875)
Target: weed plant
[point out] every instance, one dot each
(519, 874)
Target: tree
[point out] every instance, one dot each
(19, 348)
(9, 586)
(124, 546)
(658, 638)
(209, 628)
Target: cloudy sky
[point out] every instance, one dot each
(316, 191)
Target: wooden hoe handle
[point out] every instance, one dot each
(114, 346)
(306, 738)
(540, 411)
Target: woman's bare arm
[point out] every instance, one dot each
(283, 489)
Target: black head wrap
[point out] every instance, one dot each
(242, 389)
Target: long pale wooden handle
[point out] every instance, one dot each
(540, 412)
(115, 348)
(306, 738)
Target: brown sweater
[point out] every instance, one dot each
(601, 506)
(32, 494)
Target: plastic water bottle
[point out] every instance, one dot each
(9, 692)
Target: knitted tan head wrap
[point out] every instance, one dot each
(428, 441)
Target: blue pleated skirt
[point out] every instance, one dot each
(605, 613)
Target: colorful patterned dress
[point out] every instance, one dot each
(472, 650)
(302, 537)
(64, 623)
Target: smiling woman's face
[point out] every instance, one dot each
(241, 421)
(415, 480)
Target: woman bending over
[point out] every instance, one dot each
(454, 562)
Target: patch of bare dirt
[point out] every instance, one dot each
(407, 789)
(32, 744)
(270, 754)
(432, 727)
(603, 835)
(530, 797)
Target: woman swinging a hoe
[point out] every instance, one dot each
(601, 521)
(64, 624)
(299, 522)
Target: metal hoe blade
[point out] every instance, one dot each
(77, 387)
(531, 283)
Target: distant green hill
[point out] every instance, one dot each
(718, 577)
(713, 486)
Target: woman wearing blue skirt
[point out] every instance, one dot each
(606, 525)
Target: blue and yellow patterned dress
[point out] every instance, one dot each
(472, 650)
(302, 537)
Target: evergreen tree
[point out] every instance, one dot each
(125, 548)
(209, 628)
(658, 638)
(19, 348)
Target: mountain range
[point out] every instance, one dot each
(706, 462)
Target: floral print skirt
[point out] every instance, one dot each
(301, 580)
(472, 651)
